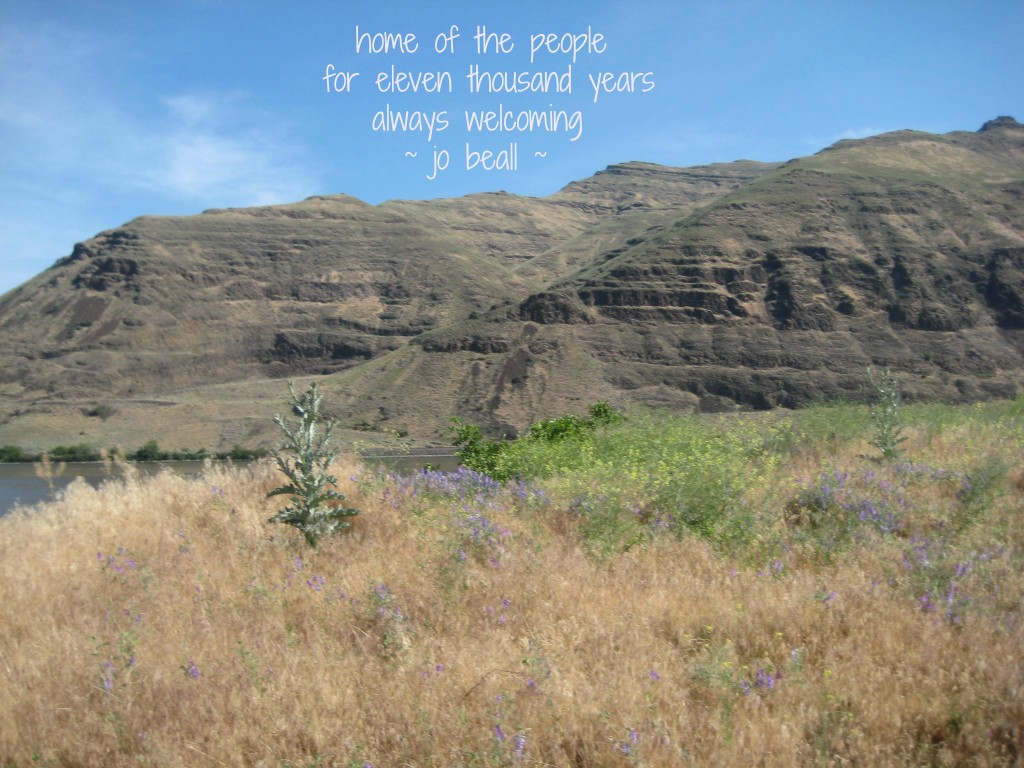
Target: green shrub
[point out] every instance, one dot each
(238, 453)
(80, 452)
(313, 508)
(149, 452)
(475, 451)
(505, 460)
(562, 428)
(101, 411)
(12, 453)
(604, 415)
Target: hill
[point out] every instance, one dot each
(736, 285)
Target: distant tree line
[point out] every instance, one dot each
(151, 451)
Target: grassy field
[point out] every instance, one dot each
(723, 591)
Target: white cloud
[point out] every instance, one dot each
(80, 151)
(208, 150)
(60, 117)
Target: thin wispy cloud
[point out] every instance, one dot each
(57, 116)
(205, 152)
(65, 126)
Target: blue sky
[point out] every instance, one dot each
(112, 110)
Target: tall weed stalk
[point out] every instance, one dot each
(315, 509)
(885, 413)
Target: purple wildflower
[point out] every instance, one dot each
(766, 679)
(520, 744)
(316, 583)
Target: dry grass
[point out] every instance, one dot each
(163, 622)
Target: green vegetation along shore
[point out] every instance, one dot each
(151, 451)
(760, 589)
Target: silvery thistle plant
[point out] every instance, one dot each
(315, 509)
(885, 413)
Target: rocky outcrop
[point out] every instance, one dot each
(553, 308)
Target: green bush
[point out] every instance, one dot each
(604, 415)
(475, 451)
(313, 508)
(505, 460)
(148, 452)
(563, 428)
(80, 452)
(12, 453)
(101, 411)
(238, 453)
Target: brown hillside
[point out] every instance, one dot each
(733, 285)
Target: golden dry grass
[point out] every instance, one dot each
(163, 622)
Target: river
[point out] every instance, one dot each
(20, 485)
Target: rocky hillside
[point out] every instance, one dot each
(734, 285)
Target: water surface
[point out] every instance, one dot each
(21, 485)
